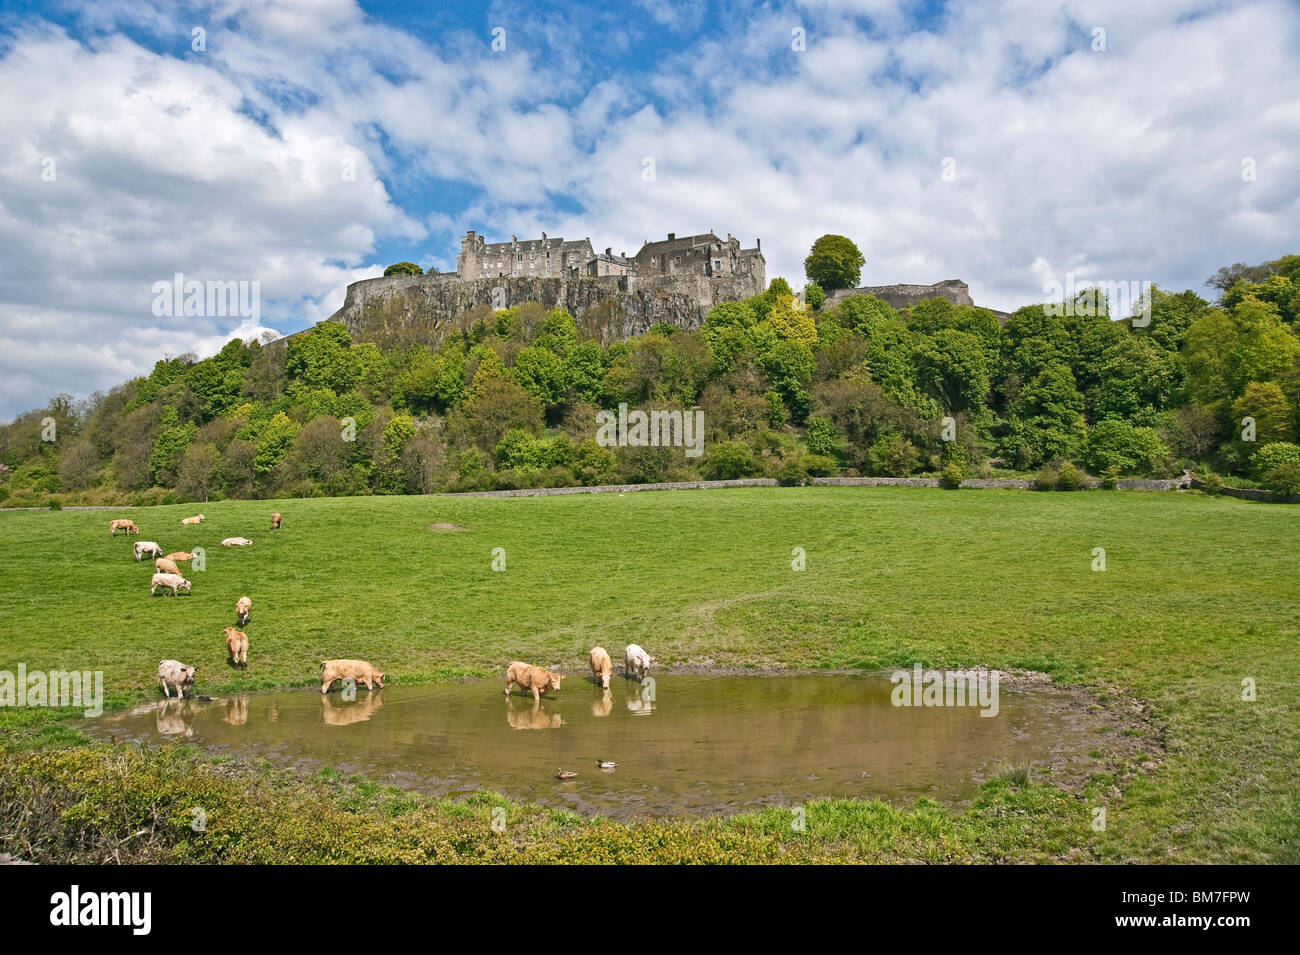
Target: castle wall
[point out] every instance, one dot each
(432, 301)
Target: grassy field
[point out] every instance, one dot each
(1198, 594)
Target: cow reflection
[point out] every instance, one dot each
(603, 703)
(236, 710)
(175, 718)
(335, 711)
(531, 716)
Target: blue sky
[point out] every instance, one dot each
(1009, 143)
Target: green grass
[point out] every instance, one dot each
(1199, 593)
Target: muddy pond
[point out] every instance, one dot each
(684, 744)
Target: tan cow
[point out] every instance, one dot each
(533, 678)
(236, 542)
(237, 647)
(358, 671)
(174, 581)
(165, 566)
(601, 666)
(180, 555)
(196, 519)
(243, 609)
(122, 525)
(275, 521)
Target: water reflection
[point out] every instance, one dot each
(523, 715)
(335, 711)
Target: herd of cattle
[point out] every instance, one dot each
(172, 674)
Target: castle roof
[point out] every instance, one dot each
(675, 243)
(548, 243)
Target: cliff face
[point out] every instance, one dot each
(627, 305)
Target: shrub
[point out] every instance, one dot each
(1271, 455)
(1110, 478)
(1119, 444)
(1284, 479)
(1068, 477)
(893, 455)
(729, 461)
(821, 465)
(1213, 483)
(792, 474)
(1045, 479)
(951, 476)
(813, 295)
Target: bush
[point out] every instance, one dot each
(893, 455)
(1118, 444)
(731, 460)
(821, 465)
(1045, 480)
(1271, 456)
(792, 474)
(1068, 477)
(1110, 478)
(1284, 479)
(1213, 483)
(813, 295)
(951, 476)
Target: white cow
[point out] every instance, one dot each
(152, 548)
(176, 674)
(174, 582)
(635, 661)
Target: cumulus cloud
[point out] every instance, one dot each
(306, 136)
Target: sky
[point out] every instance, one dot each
(294, 147)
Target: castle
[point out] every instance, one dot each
(674, 280)
(548, 257)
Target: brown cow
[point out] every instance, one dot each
(275, 521)
(601, 666)
(237, 646)
(358, 671)
(533, 678)
(164, 566)
(122, 525)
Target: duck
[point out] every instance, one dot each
(564, 773)
(606, 763)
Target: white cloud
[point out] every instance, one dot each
(228, 164)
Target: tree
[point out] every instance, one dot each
(1117, 444)
(403, 268)
(197, 477)
(834, 263)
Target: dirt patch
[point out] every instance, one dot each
(447, 528)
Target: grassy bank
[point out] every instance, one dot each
(1198, 594)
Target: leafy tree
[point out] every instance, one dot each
(540, 372)
(1268, 406)
(893, 455)
(834, 262)
(814, 295)
(1114, 443)
(729, 461)
(403, 268)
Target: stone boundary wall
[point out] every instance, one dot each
(124, 507)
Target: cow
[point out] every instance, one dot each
(152, 548)
(636, 662)
(601, 666)
(237, 647)
(176, 674)
(533, 678)
(359, 671)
